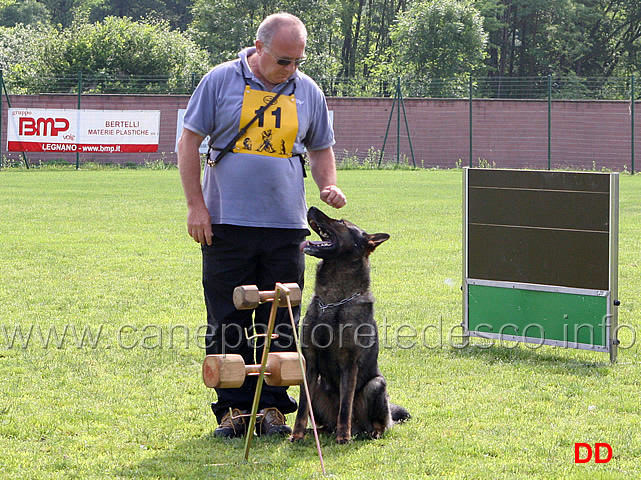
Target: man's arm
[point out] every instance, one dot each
(198, 219)
(323, 166)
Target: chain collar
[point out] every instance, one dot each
(325, 306)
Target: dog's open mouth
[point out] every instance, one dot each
(311, 247)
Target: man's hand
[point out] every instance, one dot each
(333, 196)
(323, 167)
(199, 225)
(198, 219)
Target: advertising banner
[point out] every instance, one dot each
(204, 146)
(83, 131)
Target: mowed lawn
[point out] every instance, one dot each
(101, 334)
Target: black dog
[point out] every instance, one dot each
(340, 338)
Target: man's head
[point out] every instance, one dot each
(280, 47)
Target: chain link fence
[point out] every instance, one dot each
(527, 88)
(540, 122)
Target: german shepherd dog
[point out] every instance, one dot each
(340, 338)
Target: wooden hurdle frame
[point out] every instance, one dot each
(283, 295)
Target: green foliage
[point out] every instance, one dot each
(439, 39)
(374, 160)
(615, 38)
(121, 46)
(14, 12)
(23, 57)
(65, 12)
(225, 27)
(583, 37)
(18, 45)
(106, 52)
(355, 47)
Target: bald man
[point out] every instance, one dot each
(262, 115)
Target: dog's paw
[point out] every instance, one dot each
(342, 439)
(297, 437)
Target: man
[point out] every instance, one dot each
(249, 215)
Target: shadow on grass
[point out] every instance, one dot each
(211, 457)
(560, 359)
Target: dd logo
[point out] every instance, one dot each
(578, 447)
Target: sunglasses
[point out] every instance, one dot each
(284, 61)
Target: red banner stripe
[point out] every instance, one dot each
(14, 146)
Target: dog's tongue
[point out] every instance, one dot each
(310, 243)
(303, 245)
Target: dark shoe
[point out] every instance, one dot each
(272, 422)
(232, 425)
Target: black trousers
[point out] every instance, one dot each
(250, 256)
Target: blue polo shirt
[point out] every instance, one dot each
(247, 189)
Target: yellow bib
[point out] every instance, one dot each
(273, 133)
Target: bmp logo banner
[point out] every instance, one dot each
(583, 452)
(42, 126)
(83, 131)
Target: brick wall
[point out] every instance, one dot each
(506, 133)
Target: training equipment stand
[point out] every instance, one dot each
(540, 257)
(286, 368)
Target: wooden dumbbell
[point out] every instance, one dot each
(229, 371)
(248, 297)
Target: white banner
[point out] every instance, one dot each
(204, 146)
(83, 131)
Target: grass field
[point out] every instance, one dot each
(101, 317)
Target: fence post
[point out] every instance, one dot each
(407, 126)
(389, 122)
(549, 122)
(398, 97)
(79, 97)
(470, 120)
(3, 87)
(632, 123)
(398, 121)
(1, 110)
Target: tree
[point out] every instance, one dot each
(175, 12)
(63, 11)
(530, 37)
(577, 37)
(612, 29)
(224, 27)
(438, 39)
(14, 12)
(21, 48)
(111, 51)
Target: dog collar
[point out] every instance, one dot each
(325, 306)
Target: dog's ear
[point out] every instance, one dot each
(375, 239)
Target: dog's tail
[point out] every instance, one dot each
(399, 414)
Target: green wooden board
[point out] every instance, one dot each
(549, 316)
